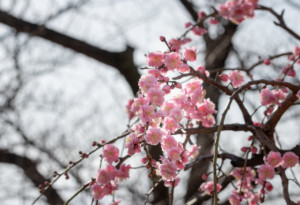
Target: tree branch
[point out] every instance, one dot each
(281, 23)
(30, 169)
(190, 8)
(123, 61)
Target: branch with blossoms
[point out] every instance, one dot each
(171, 106)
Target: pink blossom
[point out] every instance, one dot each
(267, 62)
(155, 96)
(187, 24)
(190, 54)
(199, 31)
(155, 59)
(208, 187)
(223, 77)
(224, 11)
(193, 85)
(208, 120)
(213, 21)
(166, 88)
(123, 172)
(279, 95)
(170, 124)
(160, 113)
(207, 107)
(109, 188)
(110, 153)
(170, 183)
(129, 109)
(137, 103)
(266, 172)
(289, 159)
(112, 171)
(267, 97)
(133, 144)
(154, 72)
(289, 71)
(238, 11)
(235, 199)
(296, 51)
(97, 191)
(273, 97)
(197, 96)
(116, 202)
(184, 68)
(201, 15)
(153, 136)
(298, 94)
(103, 176)
(203, 71)
(168, 142)
(168, 106)
(146, 82)
(236, 78)
(167, 169)
(269, 186)
(274, 159)
(148, 113)
(204, 176)
(172, 60)
(162, 38)
(174, 153)
(176, 44)
(176, 114)
(193, 151)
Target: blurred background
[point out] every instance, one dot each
(68, 68)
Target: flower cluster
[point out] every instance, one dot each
(272, 97)
(165, 107)
(107, 178)
(238, 10)
(246, 178)
(159, 119)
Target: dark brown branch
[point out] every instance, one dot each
(30, 169)
(281, 23)
(123, 61)
(285, 186)
(236, 161)
(190, 8)
(206, 130)
(275, 117)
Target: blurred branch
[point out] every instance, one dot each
(70, 6)
(30, 169)
(45, 150)
(122, 61)
(190, 8)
